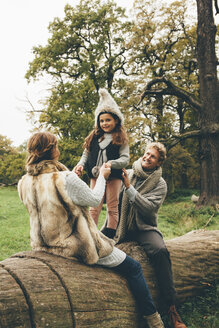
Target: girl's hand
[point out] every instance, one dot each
(105, 170)
(108, 164)
(78, 169)
(125, 178)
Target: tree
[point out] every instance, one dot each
(5, 146)
(89, 42)
(163, 45)
(12, 162)
(94, 46)
(86, 51)
(209, 110)
(206, 106)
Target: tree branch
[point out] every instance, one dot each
(216, 7)
(171, 89)
(175, 139)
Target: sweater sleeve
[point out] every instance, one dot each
(81, 194)
(131, 193)
(148, 204)
(123, 159)
(84, 158)
(152, 200)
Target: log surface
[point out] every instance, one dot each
(38, 289)
(195, 263)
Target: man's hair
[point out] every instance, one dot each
(42, 146)
(160, 148)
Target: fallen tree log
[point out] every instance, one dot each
(40, 290)
(195, 263)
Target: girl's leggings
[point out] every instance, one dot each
(132, 271)
(112, 200)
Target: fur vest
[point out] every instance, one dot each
(57, 225)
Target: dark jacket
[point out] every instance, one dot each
(112, 152)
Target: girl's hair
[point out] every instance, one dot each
(119, 134)
(42, 146)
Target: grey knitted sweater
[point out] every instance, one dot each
(144, 202)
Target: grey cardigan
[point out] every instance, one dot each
(146, 205)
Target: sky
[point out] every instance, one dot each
(23, 25)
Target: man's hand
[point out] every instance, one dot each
(125, 178)
(105, 170)
(78, 169)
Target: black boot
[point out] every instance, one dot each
(110, 233)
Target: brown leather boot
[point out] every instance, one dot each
(154, 321)
(175, 320)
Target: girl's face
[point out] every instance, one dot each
(107, 122)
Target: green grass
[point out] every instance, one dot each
(177, 216)
(14, 221)
(201, 311)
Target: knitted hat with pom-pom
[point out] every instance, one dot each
(107, 105)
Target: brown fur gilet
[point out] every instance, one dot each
(57, 225)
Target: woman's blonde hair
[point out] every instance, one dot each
(42, 146)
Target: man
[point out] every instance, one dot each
(144, 193)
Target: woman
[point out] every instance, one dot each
(57, 201)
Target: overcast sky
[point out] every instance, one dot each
(23, 25)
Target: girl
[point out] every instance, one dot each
(108, 142)
(57, 201)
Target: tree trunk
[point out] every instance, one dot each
(170, 181)
(209, 113)
(43, 290)
(159, 105)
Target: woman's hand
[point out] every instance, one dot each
(105, 170)
(125, 178)
(78, 169)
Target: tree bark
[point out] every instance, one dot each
(38, 289)
(209, 111)
(208, 106)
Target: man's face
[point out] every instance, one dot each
(150, 160)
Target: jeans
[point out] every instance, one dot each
(132, 271)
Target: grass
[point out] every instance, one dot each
(203, 311)
(14, 221)
(177, 216)
(200, 311)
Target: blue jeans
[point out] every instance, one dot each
(132, 271)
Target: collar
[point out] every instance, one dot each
(46, 166)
